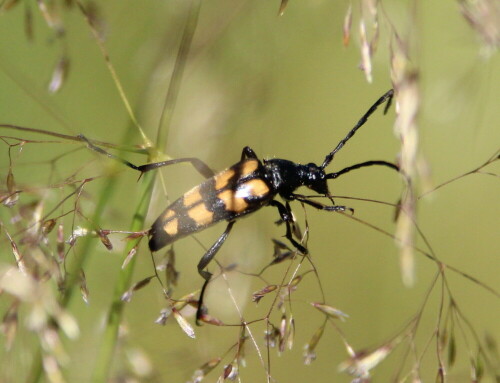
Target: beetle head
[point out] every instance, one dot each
(315, 179)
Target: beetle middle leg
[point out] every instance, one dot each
(287, 217)
(204, 261)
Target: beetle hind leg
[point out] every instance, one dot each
(204, 261)
(248, 153)
(198, 164)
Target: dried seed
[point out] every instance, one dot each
(258, 295)
(59, 75)
(83, 287)
(206, 318)
(309, 348)
(105, 239)
(366, 63)
(203, 370)
(347, 26)
(283, 5)
(164, 314)
(131, 254)
(184, 324)
(127, 295)
(330, 311)
(48, 226)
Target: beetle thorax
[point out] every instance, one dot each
(286, 176)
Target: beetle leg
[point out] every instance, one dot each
(286, 216)
(204, 261)
(248, 153)
(295, 226)
(289, 236)
(99, 150)
(320, 206)
(198, 164)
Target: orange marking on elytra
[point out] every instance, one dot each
(248, 167)
(168, 214)
(222, 179)
(231, 202)
(192, 196)
(200, 214)
(172, 227)
(255, 187)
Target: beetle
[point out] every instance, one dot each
(242, 189)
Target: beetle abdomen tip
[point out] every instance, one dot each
(159, 239)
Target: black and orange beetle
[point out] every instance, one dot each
(244, 188)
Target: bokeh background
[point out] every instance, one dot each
(287, 87)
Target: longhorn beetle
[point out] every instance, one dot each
(241, 189)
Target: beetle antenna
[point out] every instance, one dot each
(362, 165)
(386, 97)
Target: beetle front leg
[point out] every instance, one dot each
(204, 261)
(320, 206)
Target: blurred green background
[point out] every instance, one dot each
(287, 87)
